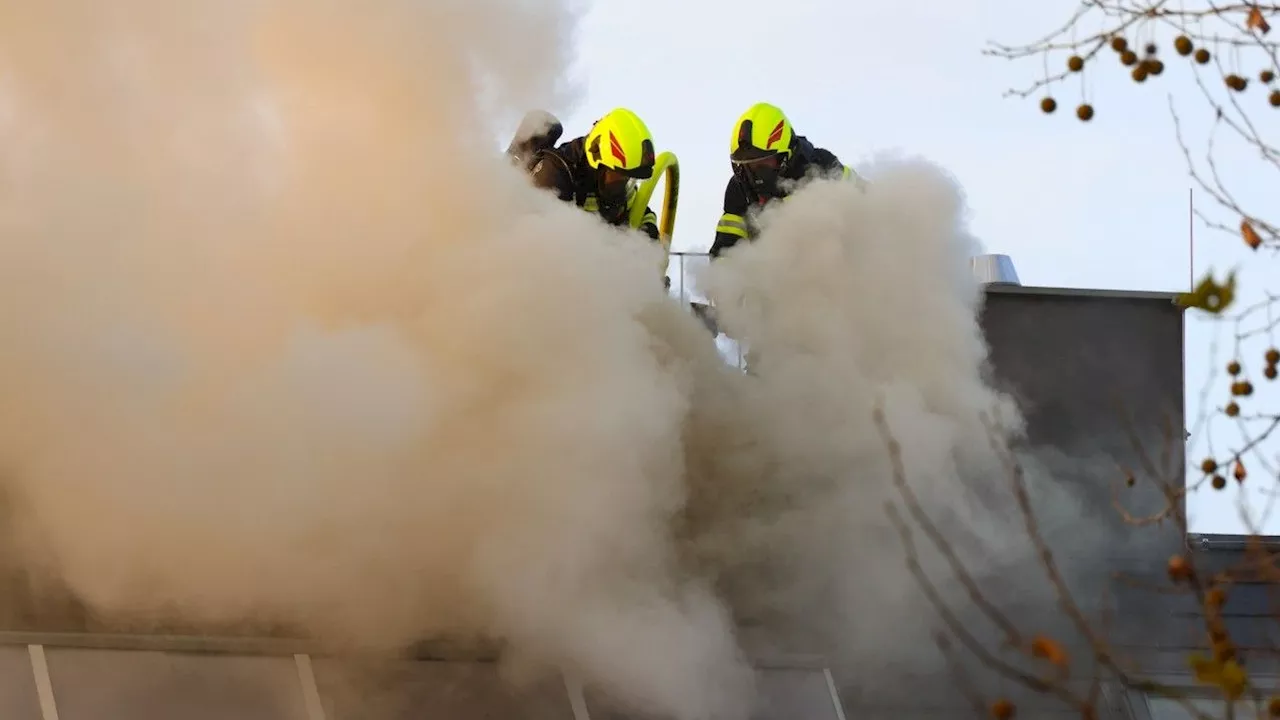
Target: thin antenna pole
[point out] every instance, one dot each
(1191, 239)
(1191, 286)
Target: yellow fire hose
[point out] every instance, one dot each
(666, 165)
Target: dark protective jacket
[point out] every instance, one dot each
(740, 198)
(564, 169)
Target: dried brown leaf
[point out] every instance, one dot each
(1256, 21)
(1251, 236)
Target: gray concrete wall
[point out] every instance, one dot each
(1099, 376)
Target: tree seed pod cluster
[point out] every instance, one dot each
(1075, 63)
(1143, 67)
(1243, 388)
(1084, 112)
(1234, 368)
(1203, 57)
(1128, 57)
(1267, 77)
(1236, 82)
(1272, 358)
(1183, 45)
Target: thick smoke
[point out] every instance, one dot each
(284, 339)
(855, 297)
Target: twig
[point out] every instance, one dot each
(1012, 636)
(958, 629)
(961, 678)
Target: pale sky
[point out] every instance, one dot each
(1102, 204)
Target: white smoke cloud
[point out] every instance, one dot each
(282, 338)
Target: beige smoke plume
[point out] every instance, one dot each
(283, 338)
(854, 297)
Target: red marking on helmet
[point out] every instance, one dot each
(775, 136)
(615, 148)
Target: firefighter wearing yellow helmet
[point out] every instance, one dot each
(597, 171)
(769, 159)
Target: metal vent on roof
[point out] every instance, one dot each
(994, 269)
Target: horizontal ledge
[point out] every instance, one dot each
(285, 647)
(171, 643)
(1210, 542)
(1080, 292)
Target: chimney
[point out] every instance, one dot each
(994, 269)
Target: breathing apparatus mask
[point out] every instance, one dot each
(763, 175)
(612, 189)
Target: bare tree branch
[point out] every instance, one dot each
(1133, 32)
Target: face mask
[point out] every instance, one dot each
(764, 175)
(611, 195)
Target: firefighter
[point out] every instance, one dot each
(597, 171)
(768, 159)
